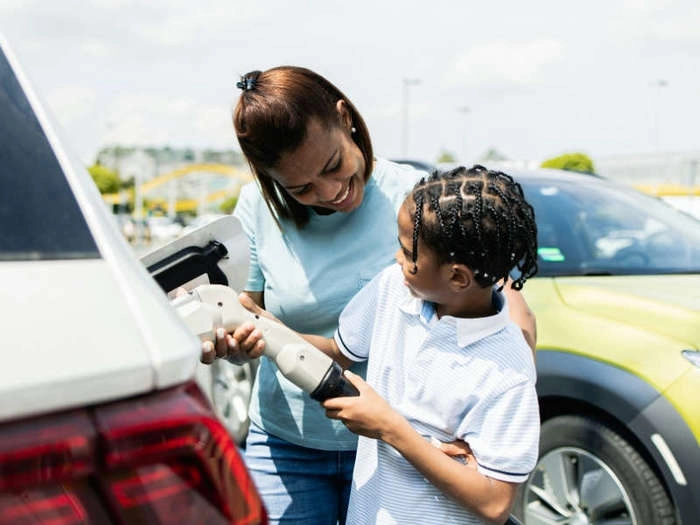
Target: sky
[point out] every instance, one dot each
(531, 79)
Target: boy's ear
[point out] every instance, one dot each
(461, 276)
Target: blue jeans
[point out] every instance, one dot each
(299, 485)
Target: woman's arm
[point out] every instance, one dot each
(521, 315)
(371, 416)
(257, 297)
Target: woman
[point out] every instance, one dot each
(321, 222)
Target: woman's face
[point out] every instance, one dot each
(326, 171)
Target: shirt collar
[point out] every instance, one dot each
(469, 331)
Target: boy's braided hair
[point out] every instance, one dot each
(479, 218)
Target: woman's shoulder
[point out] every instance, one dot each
(250, 198)
(395, 180)
(251, 208)
(389, 171)
(250, 192)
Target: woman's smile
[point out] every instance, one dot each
(345, 200)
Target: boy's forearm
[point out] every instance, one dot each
(490, 499)
(328, 347)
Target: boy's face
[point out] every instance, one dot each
(430, 281)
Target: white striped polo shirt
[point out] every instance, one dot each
(452, 378)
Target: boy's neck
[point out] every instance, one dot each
(477, 302)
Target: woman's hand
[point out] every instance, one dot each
(243, 344)
(458, 449)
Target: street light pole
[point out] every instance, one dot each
(407, 82)
(658, 84)
(465, 141)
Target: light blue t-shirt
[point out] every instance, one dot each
(308, 276)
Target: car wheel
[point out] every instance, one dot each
(231, 388)
(587, 473)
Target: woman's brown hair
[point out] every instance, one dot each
(271, 119)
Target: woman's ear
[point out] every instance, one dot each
(345, 117)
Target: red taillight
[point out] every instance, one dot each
(160, 458)
(50, 448)
(168, 452)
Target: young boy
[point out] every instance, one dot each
(444, 360)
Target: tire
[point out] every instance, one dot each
(231, 388)
(587, 474)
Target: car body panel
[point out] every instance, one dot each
(685, 388)
(586, 328)
(598, 327)
(106, 358)
(136, 343)
(667, 304)
(616, 391)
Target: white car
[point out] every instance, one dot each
(101, 420)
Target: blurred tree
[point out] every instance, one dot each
(446, 156)
(107, 180)
(571, 162)
(128, 183)
(492, 154)
(229, 204)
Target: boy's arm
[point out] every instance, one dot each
(371, 416)
(329, 347)
(489, 498)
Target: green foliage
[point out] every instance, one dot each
(229, 204)
(128, 183)
(571, 162)
(492, 154)
(107, 180)
(446, 156)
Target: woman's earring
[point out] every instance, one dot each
(353, 130)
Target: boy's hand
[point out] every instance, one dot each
(370, 415)
(367, 414)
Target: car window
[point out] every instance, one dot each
(39, 216)
(598, 227)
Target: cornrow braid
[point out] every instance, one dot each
(480, 218)
(417, 219)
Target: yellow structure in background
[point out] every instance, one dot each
(222, 169)
(669, 190)
(184, 205)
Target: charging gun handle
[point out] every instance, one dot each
(213, 306)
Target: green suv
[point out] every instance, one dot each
(617, 300)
